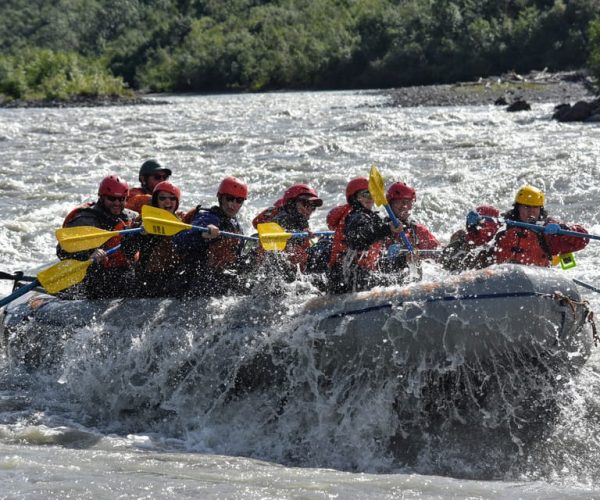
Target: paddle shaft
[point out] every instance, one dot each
(316, 233)
(225, 234)
(18, 293)
(396, 223)
(540, 229)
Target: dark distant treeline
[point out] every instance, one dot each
(56, 46)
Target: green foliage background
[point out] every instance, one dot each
(101, 47)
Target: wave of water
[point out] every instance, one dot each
(103, 410)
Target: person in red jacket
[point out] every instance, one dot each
(107, 276)
(151, 173)
(465, 248)
(401, 198)
(528, 246)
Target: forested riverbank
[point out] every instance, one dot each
(95, 48)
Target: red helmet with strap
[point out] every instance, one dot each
(401, 191)
(304, 191)
(356, 185)
(233, 187)
(113, 185)
(167, 187)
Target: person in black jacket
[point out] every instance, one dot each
(108, 276)
(358, 242)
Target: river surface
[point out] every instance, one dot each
(67, 439)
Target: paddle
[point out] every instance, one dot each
(377, 190)
(57, 277)
(586, 285)
(67, 273)
(274, 238)
(163, 223)
(18, 276)
(473, 218)
(77, 239)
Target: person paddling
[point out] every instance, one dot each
(401, 198)
(534, 246)
(151, 173)
(156, 262)
(213, 263)
(107, 276)
(292, 212)
(357, 241)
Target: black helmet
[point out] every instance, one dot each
(150, 167)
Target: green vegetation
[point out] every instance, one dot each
(65, 47)
(41, 74)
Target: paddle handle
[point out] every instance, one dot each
(396, 223)
(18, 293)
(225, 234)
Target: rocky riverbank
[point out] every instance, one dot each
(81, 102)
(535, 87)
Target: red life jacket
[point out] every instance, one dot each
(367, 259)
(117, 259)
(188, 217)
(522, 246)
(268, 214)
(137, 198)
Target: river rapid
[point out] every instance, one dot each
(71, 434)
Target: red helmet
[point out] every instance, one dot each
(356, 185)
(401, 191)
(168, 187)
(113, 185)
(304, 191)
(488, 210)
(233, 187)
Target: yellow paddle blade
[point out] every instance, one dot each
(376, 186)
(63, 275)
(77, 239)
(159, 221)
(272, 236)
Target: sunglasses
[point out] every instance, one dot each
(165, 198)
(365, 194)
(237, 199)
(308, 204)
(112, 199)
(160, 177)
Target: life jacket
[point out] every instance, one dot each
(188, 217)
(137, 198)
(335, 215)
(522, 246)
(222, 253)
(338, 243)
(161, 257)
(267, 215)
(117, 259)
(290, 220)
(367, 259)
(419, 236)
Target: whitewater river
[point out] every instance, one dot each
(85, 432)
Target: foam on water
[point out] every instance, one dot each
(173, 385)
